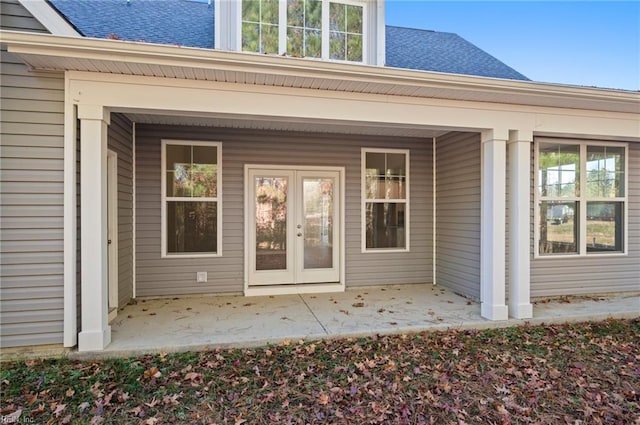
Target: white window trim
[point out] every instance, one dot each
(364, 200)
(164, 198)
(582, 199)
(282, 29)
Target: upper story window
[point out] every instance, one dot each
(305, 28)
(581, 197)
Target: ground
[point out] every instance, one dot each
(583, 373)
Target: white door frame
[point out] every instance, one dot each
(249, 233)
(112, 231)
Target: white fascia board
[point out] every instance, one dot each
(56, 51)
(49, 18)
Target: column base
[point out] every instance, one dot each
(494, 312)
(94, 340)
(522, 311)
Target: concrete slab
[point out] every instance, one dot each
(197, 323)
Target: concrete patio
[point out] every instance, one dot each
(196, 323)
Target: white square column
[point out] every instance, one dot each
(493, 225)
(96, 332)
(519, 224)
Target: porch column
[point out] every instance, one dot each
(519, 224)
(96, 332)
(492, 226)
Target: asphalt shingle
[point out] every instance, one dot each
(191, 23)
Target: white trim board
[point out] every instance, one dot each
(49, 18)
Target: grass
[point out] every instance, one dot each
(586, 373)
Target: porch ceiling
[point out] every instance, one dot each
(56, 53)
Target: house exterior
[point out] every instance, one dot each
(299, 147)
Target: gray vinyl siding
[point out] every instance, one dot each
(14, 17)
(162, 277)
(31, 191)
(593, 275)
(120, 140)
(458, 212)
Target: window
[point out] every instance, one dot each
(310, 28)
(191, 199)
(581, 198)
(385, 199)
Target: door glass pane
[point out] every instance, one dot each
(271, 223)
(318, 222)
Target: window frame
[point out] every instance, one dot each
(325, 55)
(582, 199)
(363, 199)
(165, 198)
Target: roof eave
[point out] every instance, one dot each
(50, 52)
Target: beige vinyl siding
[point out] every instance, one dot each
(172, 276)
(14, 17)
(593, 275)
(31, 196)
(120, 140)
(458, 212)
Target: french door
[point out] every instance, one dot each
(293, 226)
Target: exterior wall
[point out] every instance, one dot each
(458, 212)
(160, 277)
(31, 187)
(14, 17)
(593, 275)
(120, 140)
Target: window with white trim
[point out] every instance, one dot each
(581, 197)
(191, 198)
(305, 28)
(385, 199)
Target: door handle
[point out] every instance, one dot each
(299, 234)
(108, 241)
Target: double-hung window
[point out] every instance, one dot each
(191, 198)
(305, 28)
(581, 197)
(385, 200)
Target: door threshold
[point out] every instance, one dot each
(302, 288)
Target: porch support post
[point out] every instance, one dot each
(519, 224)
(492, 226)
(96, 332)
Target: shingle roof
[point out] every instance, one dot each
(191, 23)
(442, 52)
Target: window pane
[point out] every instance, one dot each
(313, 41)
(270, 12)
(313, 14)
(354, 19)
(250, 37)
(295, 42)
(354, 48)
(192, 227)
(605, 224)
(179, 181)
(337, 17)
(385, 225)
(270, 39)
(251, 10)
(295, 13)
(558, 227)
(605, 172)
(559, 170)
(337, 45)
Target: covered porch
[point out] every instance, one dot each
(189, 323)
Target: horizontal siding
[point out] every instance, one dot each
(161, 277)
(31, 192)
(458, 213)
(14, 17)
(592, 275)
(120, 140)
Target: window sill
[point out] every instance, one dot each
(580, 256)
(191, 255)
(385, 250)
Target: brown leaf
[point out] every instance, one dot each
(150, 421)
(59, 409)
(152, 372)
(323, 399)
(70, 392)
(12, 418)
(153, 403)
